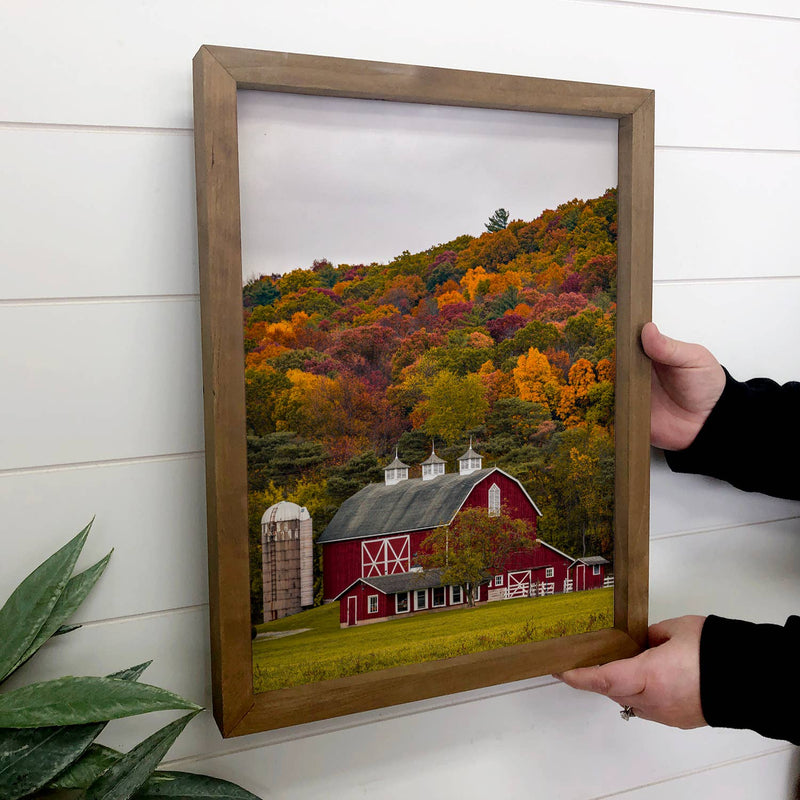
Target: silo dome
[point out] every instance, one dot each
(284, 511)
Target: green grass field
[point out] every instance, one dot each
(326, 651)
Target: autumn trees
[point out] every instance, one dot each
(474, 547)
(508, 336)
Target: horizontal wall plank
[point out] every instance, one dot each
(724, 214)
(452, 750)
(768, 777)
(709, 95)
(680, 502)
(501, 744)
(750, 325)
(151, 513)
(97, 213)
(744, 573)
(95, 381)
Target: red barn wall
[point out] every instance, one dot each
(512, 499)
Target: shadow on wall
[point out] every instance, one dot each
(794, 777)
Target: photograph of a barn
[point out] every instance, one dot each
(370, 545)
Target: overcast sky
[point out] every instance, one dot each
(357, 181)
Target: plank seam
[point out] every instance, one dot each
(709, 768)
(724, 12)
(717, 528)
(99, 300)
(111, 462)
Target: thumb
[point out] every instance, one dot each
(672, 352)
(616, 679)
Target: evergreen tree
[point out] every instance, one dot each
(497, 221)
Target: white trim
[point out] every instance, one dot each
(549, 572)
(417, 606)
(390, 555)
(397, 609)
(595, 569)
(453, 601)
(370, 598)
(498, 580)
(434, 604)
(494, 500)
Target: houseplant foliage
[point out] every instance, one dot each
(48, 729)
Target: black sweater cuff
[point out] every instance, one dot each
(750, 439)
(749, 676)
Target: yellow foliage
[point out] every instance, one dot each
(258, 358)
(535, 380)
(449, 299)
(381, 312)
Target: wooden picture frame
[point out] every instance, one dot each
(218, 73)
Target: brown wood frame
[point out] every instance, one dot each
(218, 73)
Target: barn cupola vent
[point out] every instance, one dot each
(432, 466)
(470, 462)
(395, 472)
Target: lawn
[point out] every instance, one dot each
(326, 651)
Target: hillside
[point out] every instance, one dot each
(508, 337)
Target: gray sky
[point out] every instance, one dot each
(357, 181)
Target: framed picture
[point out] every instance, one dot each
(426, 406)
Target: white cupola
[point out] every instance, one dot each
(432, 466)
(395, 472)
(470, 462)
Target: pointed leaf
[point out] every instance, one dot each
(75, 701)
(187, 786)
(73, 595)
(66, 629)
(123, 779)
(30, 757)
(31, 603)
(87, 769)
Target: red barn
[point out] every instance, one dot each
(369, 545)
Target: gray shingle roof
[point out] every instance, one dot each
(590, 560)
(411, 505)
(405, 581)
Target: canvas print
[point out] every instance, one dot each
(428, 302)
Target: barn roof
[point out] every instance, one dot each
(590, 560)
(401, 582)
(411, 505)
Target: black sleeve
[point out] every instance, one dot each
(748, 672)
(748, 676)
(750, 439)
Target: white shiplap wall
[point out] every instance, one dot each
(100, 408)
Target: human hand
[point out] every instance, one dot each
(687, 382)
(662, 684)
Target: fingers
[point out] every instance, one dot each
(617, 679)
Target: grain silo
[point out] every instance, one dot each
(287, 560)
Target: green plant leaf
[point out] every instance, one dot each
(87, 769)
(124, 778)
(30, 757)
(73, 595)
(66, 629)
(31, 603)
(188, 786)
(75, 701)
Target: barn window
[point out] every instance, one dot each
(420, 599)
(438, 596)
(596, 569)
(549, 572)
(498, 580)
(401, 602)
(455, 595)
(372, 604)
(494, 501)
